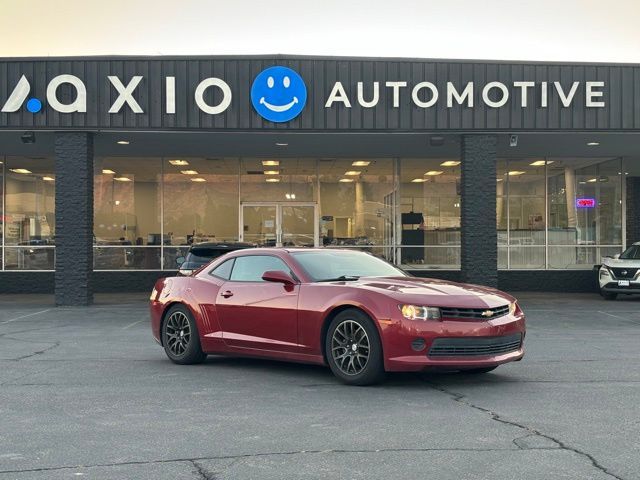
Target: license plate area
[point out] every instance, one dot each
(623, 283)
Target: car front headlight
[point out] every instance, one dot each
(513, 306)
(419, 312)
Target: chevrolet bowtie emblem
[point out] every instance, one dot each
(487, 313)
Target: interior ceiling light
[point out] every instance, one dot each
(20, 170)
(450, 163)
(346, 180)
(272, 180)
(123, 142)
(122, 179)
(179, 163)
(541, 163)
(107, 171)
(272, 172)
(270, 163)
(592, 180)
(198, 179)
(433, 173)
(188, 172)
(419, 180)
(498, 179)
(290, 196)
(361, 163)
(515, 173)
(280, 144)
(593, 144)
(48, 179)
(353, 172)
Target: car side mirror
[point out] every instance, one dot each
(278, 276)
(616, 256)
(180, 261)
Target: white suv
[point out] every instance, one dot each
(621, 274)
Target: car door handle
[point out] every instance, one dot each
(226, 294)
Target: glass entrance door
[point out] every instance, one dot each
(279, 224)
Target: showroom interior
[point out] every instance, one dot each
(518, 188)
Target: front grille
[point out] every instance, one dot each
(474, 313)
(475, 346)
(626, 273)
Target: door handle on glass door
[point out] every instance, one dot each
(227, 294)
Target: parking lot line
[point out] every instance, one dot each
(25, 316)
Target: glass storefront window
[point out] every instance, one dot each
(430, 213)
(127, 212)
(356, 203)
(28, 226)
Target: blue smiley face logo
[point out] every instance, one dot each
(278, 94)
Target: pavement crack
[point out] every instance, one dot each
(38, 352)
(460, 398)
(203, 472)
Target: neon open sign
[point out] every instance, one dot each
(585, 202)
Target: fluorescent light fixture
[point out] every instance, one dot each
(353, 172)
(433, 173)
(48, 179)
(272, 180)
(592, 180)
(188, 172)
(593, 144)
(418, 180)
(346, 180)
(179, 163)
(515, 173)
(272, 172)
(498, 179)
(123, 142)
(198, 179)
(20, 170)
(270, 163)
(107, 171)
(122, 179)
(450, 163)
(280, 144)
(361, 163)
(541, 163)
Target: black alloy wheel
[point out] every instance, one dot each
(180, 337)
(353, 348)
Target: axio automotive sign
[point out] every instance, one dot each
(279, 94)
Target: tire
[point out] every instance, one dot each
(180, 337)
(609, 296)
(353, 348)
(477, 371)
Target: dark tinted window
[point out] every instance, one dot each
(251, 268)
(631, 253)
(223, 270)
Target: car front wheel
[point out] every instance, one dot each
(180, 337)
(354, 350)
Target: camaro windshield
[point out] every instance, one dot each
(339, 265)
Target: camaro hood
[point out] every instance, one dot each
(434, 292)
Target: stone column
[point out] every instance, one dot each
(479, 239)
(74, 218)
(633, 210)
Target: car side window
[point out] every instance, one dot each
(251, 268)
(223, 270)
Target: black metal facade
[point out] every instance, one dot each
(620, 113)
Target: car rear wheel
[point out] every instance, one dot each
(609, 296)
(353, 348)
(180, 337)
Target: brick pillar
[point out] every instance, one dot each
(74, 218)
(479, 240)
(633, 210)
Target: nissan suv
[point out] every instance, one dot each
(620, 274)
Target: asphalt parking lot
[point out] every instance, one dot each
(87, 393)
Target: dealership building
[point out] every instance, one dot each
(520, 175)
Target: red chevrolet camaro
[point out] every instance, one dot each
(348, 309)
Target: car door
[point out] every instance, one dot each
(257, 314)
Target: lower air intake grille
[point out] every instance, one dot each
(475, 346)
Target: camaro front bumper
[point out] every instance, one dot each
(412, 345)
